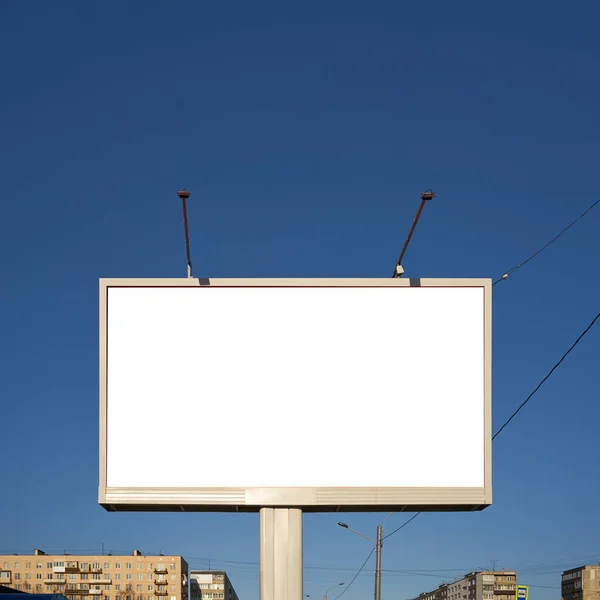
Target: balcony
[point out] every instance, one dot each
(96, 592)
(54, 581)
(161, 582)
(89, 570)
(5, 580)
(160, 570)
(157, 593)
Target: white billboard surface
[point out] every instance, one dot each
(312, 393)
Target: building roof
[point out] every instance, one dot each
(581, 568)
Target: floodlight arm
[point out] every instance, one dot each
(425, 196)
(184, 195)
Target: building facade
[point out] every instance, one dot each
(581, 583)
(211, 585)
(132, 577)
(478, 585)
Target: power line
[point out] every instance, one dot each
(515, 268)
(547, 376)
(525, 401)
(401, 526)
(357, 574)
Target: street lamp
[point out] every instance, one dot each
(378, 544)
(331, 588)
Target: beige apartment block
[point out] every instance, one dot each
(581, 583)
(477, 585)
(211, 585)
(132, 577)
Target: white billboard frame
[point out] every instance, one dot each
(308, 499)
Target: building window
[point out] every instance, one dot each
(17, 575)
(139, 565)
(138, 587)
(38, 575)
(128, 576)
(118, 587)
(38, 587)
(173, 576)
(38, 565)
(150, 587)
(107, 565)
(118, 566)
(72, 576)
(28, 565)
(128, 565)
(117, 575)
(118, 597)
(149, 576)
(17, 565)
(96, 566)
(140, 576)
(96, 576)
(27, 575)
(84, 576)
(5, 565)
(106, 597)
(107, 588)
(173, 597)
(173, 566)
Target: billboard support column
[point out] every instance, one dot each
(281, 554)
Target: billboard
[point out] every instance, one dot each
(321, 394)
(522, 592)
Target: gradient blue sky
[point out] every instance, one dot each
(305, 134)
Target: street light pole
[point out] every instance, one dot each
(331, 588)
(378, 562)
(378, 545)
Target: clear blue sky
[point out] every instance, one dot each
(305, 134)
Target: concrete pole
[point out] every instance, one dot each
(378, 563)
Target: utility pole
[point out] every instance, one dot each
(378, 543)
(378, 562)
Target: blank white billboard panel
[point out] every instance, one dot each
(237, 394)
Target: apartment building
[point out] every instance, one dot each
(581, 583)
(211, 585)
(131, 577)
(477, 585)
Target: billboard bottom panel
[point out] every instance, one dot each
(307, 499)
